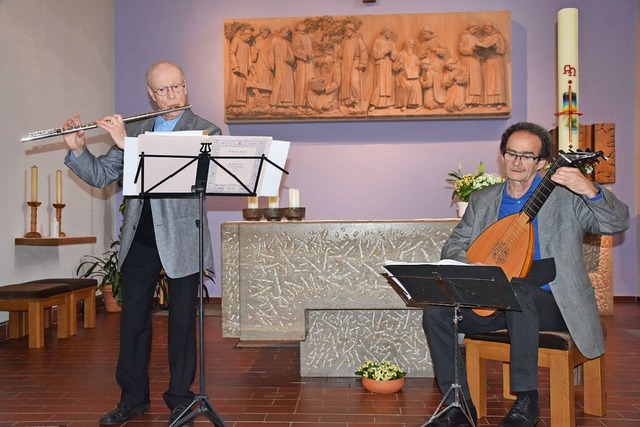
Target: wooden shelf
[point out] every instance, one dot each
(54, 241)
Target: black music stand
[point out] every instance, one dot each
(204, 160)
(459, 286)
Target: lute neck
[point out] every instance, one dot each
(542, 192)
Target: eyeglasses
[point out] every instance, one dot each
(511, 156)
(163, 91)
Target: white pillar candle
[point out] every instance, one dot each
(253, 203)
(568, 113)
(294, 198)
(58, 186)
(274, 202)
(34, 183)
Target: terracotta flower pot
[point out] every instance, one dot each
(110, 303)
(390, 386)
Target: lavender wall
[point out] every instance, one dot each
(394, 169)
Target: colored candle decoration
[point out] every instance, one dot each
(568, 112)
(274, 201)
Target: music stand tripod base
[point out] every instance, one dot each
(456, 388)
(205, 407)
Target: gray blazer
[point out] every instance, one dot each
(174, 219)
(562, 223)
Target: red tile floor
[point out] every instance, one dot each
(70, 382)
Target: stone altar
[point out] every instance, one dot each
(319, 283)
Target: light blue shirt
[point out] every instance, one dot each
(162, 125)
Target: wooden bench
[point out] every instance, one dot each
(557, 352)
(34, 298)
(81, 290)
(27, 304)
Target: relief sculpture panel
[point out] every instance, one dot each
(375, 67)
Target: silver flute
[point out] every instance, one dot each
(48, 133)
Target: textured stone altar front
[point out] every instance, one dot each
(319, 283)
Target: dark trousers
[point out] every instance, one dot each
(140, 273)
(539, 313)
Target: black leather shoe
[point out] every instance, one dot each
(123, 412)
(176, 412)
(523, 413)
(455, 418)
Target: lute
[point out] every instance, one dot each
(509, 242)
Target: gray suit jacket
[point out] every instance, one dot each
(174, 219)
(562, 223)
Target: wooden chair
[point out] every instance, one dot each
(558, 353)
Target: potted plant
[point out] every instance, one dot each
(465, 184)
(105, 270)
(381, 377)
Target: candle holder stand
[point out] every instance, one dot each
(273, 214)
(294, 214)
(59, 207)
(252, 214)
(33, 233)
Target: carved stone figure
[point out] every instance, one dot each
(433, 95)
(383, 53)
(281, 62)
(455, 80)
(495, 47)
(241, 58)
(433, 49)
(264, 77)
(354, 55)
(471, 58)
(407, 65)
(304, 66)
(323, 91)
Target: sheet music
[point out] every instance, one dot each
(407, 297)
(175, 172)
(450, 282)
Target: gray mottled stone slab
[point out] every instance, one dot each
(338, 341)
(273, 271)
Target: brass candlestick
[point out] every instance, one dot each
(33, 234)
(59, 207)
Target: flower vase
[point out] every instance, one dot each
(389, 386)
(462, 206)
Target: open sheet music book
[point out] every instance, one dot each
(451, 282)
(400, 286)
(169, 165)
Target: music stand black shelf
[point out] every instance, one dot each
(458, 286)
(204, 159)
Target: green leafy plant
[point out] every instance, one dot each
(380, 371)
(104, 269)
(465, 184)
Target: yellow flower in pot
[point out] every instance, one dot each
(381, 377)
